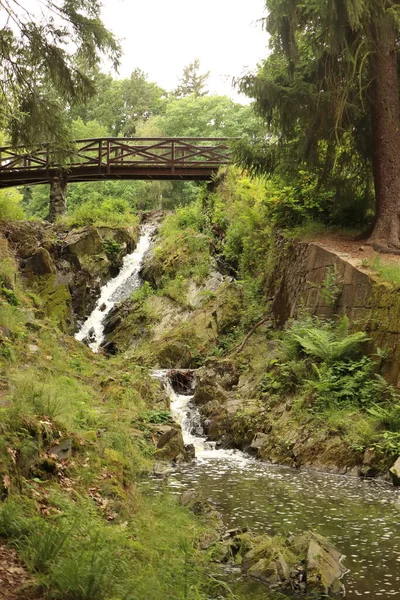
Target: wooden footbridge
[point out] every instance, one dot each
(116, 158)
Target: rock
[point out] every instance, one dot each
(395, 472)
(41, 263)
(170, 446)
(370, 466)
(258, 442)
(161, 470)
(230, 533)
(266, 563)
(103, 307)
(83, 242)
(63, 449)
(306, 562)
(33, 348)
(324, 568)
(190, 452)
(209, 391)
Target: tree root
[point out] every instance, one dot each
(384, 249)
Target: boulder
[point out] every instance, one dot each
(258, 442)
(395, 472)
(41, 263)
(174, 354)
(208, 391)
(83, 242)
(306, 562)
(266, 562)
(190, 452)
(170, 446)
(63, 449)
(324, 568)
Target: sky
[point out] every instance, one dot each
(161, 37)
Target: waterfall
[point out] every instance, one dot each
(117, 289)
(186, 413)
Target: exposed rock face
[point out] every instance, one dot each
(173, 334)
(67, 268)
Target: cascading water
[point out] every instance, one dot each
(186, 413)
(117, 289)
(360, 517)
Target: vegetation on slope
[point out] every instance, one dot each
(76, 434)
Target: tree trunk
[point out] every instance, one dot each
(385, 116)
(58, 197)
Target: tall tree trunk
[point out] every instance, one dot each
(385, 115)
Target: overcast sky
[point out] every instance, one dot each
(162, 36)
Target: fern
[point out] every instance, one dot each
(328, 342)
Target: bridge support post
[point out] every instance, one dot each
(58, 196)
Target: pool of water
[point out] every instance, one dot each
(361, 517)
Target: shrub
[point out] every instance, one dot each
(10, 205)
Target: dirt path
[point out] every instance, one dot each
(354, 251)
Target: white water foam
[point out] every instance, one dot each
(117, 289)
(187, 415)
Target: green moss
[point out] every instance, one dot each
(56, 299)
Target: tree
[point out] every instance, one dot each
(120, 105)
(331, 89)
(48, 49)
(207, 116)
(191, 82)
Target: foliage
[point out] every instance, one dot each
(110, 211)
(191, 82)
(158, 416)
(324, 341)
(322, 93)
(323, 364)
(80, 524)
(121, 104)
(47, 53)
(11, 205)
(205, 116)
(111, 248)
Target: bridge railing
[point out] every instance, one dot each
(109, 153)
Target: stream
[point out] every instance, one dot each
(360, 516)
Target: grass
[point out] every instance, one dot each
(387, 272)
(81, 525)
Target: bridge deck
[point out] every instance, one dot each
(117, 158)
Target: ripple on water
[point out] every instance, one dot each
(359, 516)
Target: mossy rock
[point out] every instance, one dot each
(174, 354)
(170, 446)
(83, 242)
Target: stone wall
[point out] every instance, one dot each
(310, 278)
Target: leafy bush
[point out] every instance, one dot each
(110, 211)
(157, 416)
(10, 205)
